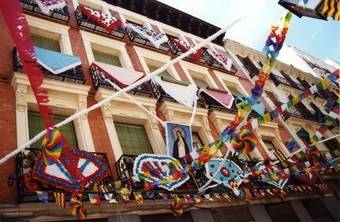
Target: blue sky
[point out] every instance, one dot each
(316, 37)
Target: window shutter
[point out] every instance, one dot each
(107, 58)
(133, 139)
(36, 125)
(46, 43)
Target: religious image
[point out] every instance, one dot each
(178, 139)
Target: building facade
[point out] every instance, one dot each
(121, 130)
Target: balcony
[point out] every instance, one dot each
(99, 80)
(249, 65)
(73, 75)
(87, 24)
(211, 61)
(177, 52)
(141, 41)
(27, 185)
(31, 7)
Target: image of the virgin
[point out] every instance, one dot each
(180, 146)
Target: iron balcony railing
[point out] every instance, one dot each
(139, 40)
(60, 15)
(87, 24)
(99, 80)
(74, 75)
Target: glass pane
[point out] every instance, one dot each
(36, 125)
(234, 91)
(46, 43)
(200, 82)
(163, 74)
(107, 58)
(136, 144)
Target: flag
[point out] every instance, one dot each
(42, 196)
(94, 198)
(221, 58)
(330, 8)
(77, 208)
(184, 47)
(59, 199)
(105, 20)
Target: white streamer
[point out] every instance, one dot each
(139, 82)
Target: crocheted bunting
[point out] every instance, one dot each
(73, 172)
(160, 171)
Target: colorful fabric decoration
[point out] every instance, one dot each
(161, 171)
(124, 77)
(330, 8)
(56, 62)
(184, 94)
(221, 58)
(94, 198)
(125, 194)
(107, 195)
(19, 30)
(59, 199)
(226, 99)
(177, 206)
(244, 141)
(104, 19)
(138, 197)
(230, 175)
(76, 206)
(52, 145)
(73, 171)
(48, 6)
(42, 196)
(156, 38)
(184, 47)
(292, 145)
(271, 174)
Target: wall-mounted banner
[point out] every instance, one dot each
(178, 139)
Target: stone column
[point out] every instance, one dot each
(82, 127)
(21, 114)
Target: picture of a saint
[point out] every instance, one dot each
(179, 140)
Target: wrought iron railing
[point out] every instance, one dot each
(87, 24)
(139, 40)
(74, 75)
(99, 79)
(61, 15)
(27, 185)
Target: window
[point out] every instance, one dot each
(165, 73)
(107, 58)
(271, 149)
(46, 43)
(317, 210)
(133, 139)
(235, 91)
(196, 141)
(36, 125)
(281, 212)
(200, 82)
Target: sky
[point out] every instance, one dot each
(317, 37)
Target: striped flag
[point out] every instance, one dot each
(59, 199)
(330, 8)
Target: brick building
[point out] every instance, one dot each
(107, 131)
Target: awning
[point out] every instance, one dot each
(124, 77)
(56, 62)
(184, 94)
(226, 99)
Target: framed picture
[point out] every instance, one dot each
(178, 139)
